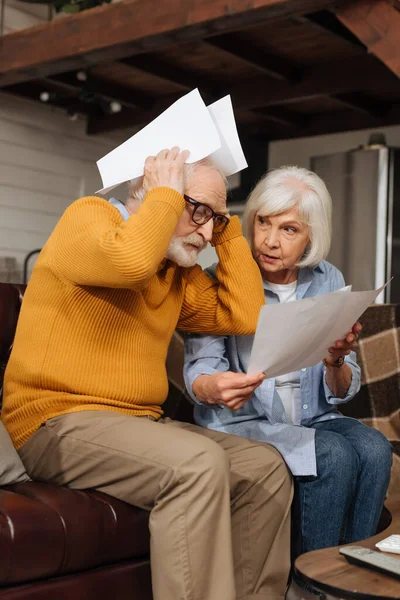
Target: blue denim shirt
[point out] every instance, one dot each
(263, 417)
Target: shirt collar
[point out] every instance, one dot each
(306, 275)
(125, 214)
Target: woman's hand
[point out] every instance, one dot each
(229, 389)
(343, 347)
(165, 170)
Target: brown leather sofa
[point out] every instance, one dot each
(62, 544)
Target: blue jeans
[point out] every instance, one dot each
(343, 503)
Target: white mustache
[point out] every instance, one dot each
(195, 239)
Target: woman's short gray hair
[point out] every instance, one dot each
(278, 191)
(137, 192)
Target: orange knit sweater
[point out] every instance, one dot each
(102, 305)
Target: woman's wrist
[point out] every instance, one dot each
(198, 386)
(330, 362)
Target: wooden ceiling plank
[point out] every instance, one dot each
(362, 103)
(327, 23)
(327, 79)
(110, 91)
(157, 67)
(270, 65)
(32, 90)
(334, 122)
(122, 29)
(324, 80)
(376, 23)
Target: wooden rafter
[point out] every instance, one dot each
(376, 23)
(332, 123)
(327, 79)
(162, 69)
(271, 65)
(362, 103)
(114, 31)
(324, 80)
(129, 97)
(327, 23)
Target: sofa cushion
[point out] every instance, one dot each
(46, 530)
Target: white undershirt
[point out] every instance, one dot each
(288, 385)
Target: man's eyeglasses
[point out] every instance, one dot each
(202, 214)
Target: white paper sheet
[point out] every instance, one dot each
(188, 124)
(229, 158)
(295, 335)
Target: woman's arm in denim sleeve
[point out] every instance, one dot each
(204, 355)
(338, 282)
(354, 385)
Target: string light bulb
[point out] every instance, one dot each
(115, 107)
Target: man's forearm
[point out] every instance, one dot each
(124, 255)
(230, 305)
(240, 281)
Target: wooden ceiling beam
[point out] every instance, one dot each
(32, 90)
(162, 69)
(114, 31)
(280, 115)
(327, 79)
(127, 118)
(324, 80)
(108, 90)
(362, 103)
(334, 122)
(266, 63)
(328, 24)
(377, 24)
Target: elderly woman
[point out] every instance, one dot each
(341, 467)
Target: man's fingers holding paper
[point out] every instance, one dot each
(165, 170)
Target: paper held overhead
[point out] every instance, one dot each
(295, 335)
(188, 124)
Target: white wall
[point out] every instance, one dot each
(19, 15)
(299, 152)
(46, 162)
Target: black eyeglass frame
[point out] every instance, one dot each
(223, 220)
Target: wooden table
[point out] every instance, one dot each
(329, 572)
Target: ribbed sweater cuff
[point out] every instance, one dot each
(167, 196)
(232, 230)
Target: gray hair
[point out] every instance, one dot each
(137, 192)
(279, 191)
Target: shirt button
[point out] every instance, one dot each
(304, 370)
(305, 406)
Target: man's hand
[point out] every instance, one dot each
(165, 170)
(345, 346)
(230, 389)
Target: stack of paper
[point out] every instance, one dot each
(188, 124)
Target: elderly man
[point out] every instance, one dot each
(86, 381)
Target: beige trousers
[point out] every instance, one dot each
(220, 504)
